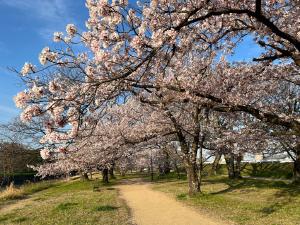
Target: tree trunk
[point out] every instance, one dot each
(215, 165)
(193, 179)
(177, 170)
(111, 172)
(161, 170)
(237, 172)
(151, 168)
(229, 158)
(296, 169)
(105, 175)
(166, 164)
(84, 176)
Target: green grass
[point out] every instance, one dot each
(271, 169)
(246, 201)
(274, 170)
(132, 175)
(12, 192)
(264, 169)
(66, 203)
(105, 208)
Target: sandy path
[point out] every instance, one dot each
(151, 207)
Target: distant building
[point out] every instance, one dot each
(256, 158)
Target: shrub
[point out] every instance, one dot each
(11, 192)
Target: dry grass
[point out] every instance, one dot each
(11, 192)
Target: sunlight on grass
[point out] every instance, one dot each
(69, 202)
(246, 202)
(11, 192)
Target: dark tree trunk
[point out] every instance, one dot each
(296, 169)
(123, 173)
(229, 158)
(215, 165)
(151, 167)
(111, 172)
(166, 164)
(233, 164)
(161, 170)
(84, 176)
(177, 170)
(238, 167)
(105, 175)
(254, 169)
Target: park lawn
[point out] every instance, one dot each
(66, 203)
(246, 201)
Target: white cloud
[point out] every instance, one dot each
(8, 110)
(54, 14)
(7, 113)
(51, 10)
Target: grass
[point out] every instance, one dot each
(105, 208)
(12, 192)
(273, 170)
(269, 169)
(66, 203)
(245, 201)
(132, 175)
(264, 169)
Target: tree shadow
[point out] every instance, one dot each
(291, 190)
(110, 189)
(243, 183)
(285, 193)
(272, 208)
(65, 206)
(105, 208)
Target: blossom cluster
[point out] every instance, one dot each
(157, 73)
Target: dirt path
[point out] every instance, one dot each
(151, 207)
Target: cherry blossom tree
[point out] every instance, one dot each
(171, 57)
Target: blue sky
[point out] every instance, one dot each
(26, 27)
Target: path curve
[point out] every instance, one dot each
(151, 207)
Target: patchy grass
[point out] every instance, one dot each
(12, 192)
(246, 201)
(64, 203)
